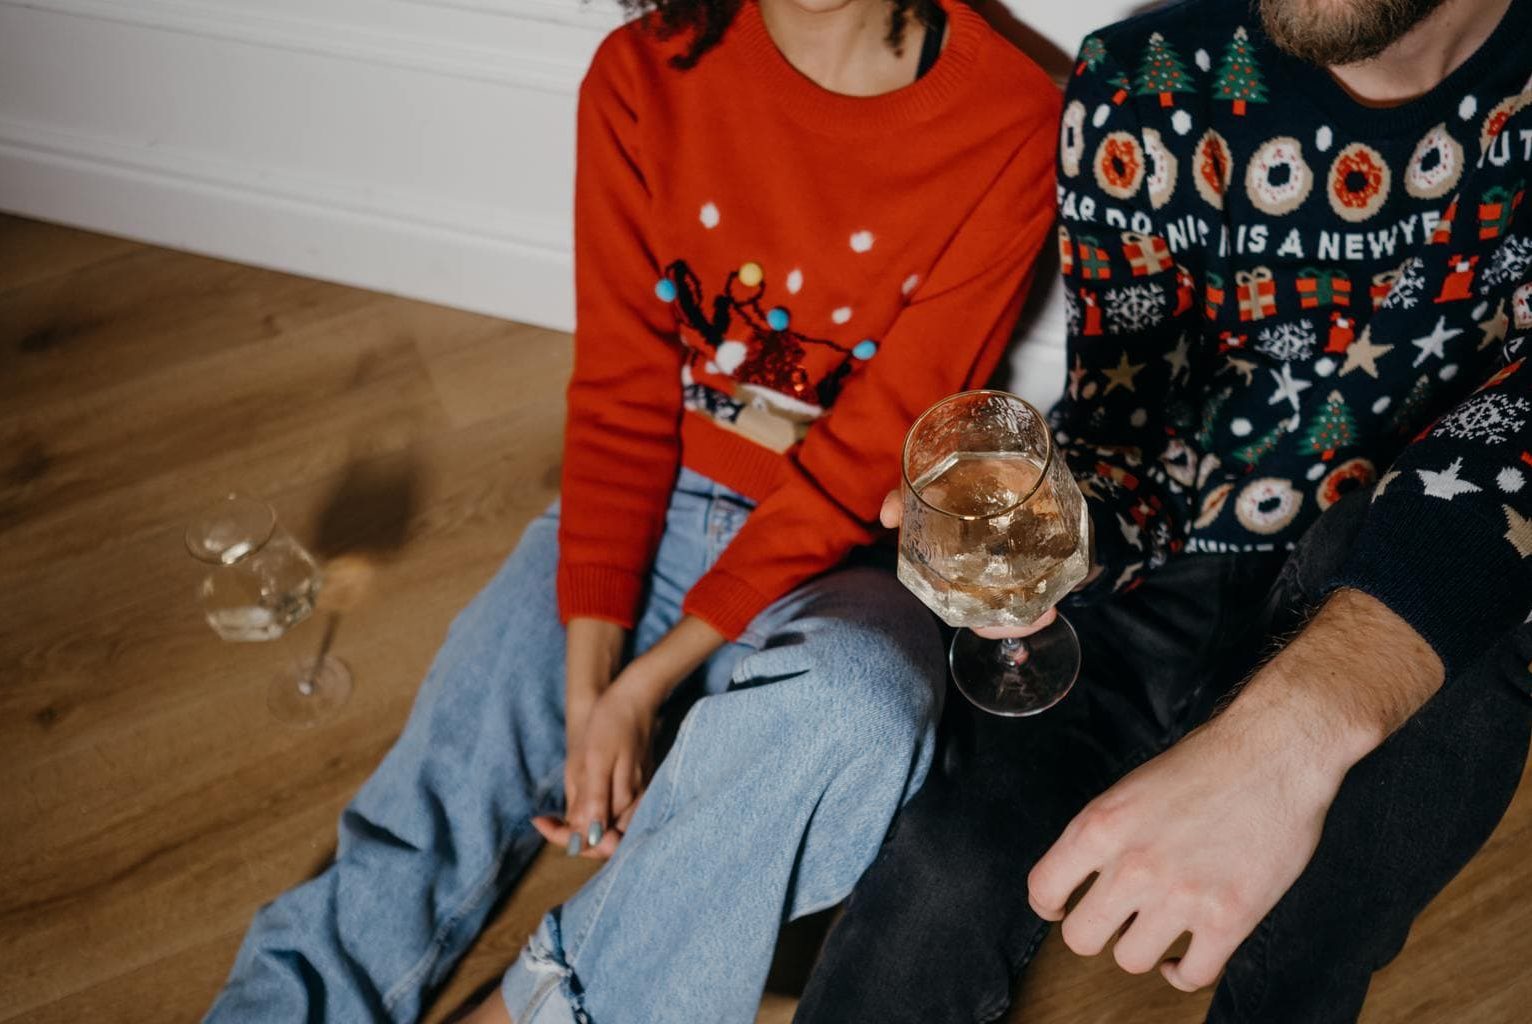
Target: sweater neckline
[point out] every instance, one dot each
(835, 112)
(1442, 103)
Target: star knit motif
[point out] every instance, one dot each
(1122, 375)
(1383, 482)
(1364, 355)
(1495, 327)
(1431, 344)
(1288, 387)
(1519, 531)
(1445, 483)
(1176, 357)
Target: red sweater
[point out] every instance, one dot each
(772, 281)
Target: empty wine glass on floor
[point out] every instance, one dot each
(260, 585)
(995, 532)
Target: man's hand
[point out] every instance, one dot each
(1203, 839)
(1207, 837)
(892, 514)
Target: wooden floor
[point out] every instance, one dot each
(150, 804)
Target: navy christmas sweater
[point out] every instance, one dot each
(1277, 295)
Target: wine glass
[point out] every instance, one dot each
(262, 583)
(995, 532)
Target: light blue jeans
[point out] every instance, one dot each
(809, 734)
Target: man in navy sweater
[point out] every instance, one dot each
(1298, 258)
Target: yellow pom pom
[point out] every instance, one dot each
(750, 275)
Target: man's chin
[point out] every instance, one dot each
(1334, 33)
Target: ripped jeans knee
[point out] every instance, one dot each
(541, 987)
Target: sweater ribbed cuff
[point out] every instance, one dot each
(599, 592)
(725, 602)
(1448, 572)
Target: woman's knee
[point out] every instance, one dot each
(875, 653)
(872, 693)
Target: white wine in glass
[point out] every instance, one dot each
(261, 583)
(995, 532)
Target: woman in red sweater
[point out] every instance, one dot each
(797, 224)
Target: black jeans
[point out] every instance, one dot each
(939, 926)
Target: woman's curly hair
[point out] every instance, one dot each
(708, 20)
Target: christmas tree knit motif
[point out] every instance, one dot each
(1407, 412)
(1210, 414)
(1092, 53)
(1162, 72)
(1123, 85)
(1333, 428)
(1239, 77)
(1261, 447)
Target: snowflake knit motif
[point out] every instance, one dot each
(1490, 417)
(1289, 342)
(1134, 307)
(1410, 285)
(1510, 263)
(1071, 312)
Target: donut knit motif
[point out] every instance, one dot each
(772, 282)
(1277, 295)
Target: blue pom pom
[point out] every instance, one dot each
(665, 288)
(865, 349)
(777, 318)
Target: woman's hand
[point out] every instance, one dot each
(610, 749)
(593, 654)
(892, 514)
(606, 771)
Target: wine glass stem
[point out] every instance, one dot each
(1013, 650)
(310, 673)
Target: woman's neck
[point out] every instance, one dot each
(843, 46)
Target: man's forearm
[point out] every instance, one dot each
(1351, 677)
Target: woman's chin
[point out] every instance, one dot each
(815, 6)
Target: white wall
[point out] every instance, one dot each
(423, 147)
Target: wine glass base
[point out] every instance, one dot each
(1016, 678)
(306, 693)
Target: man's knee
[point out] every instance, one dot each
(948, 953)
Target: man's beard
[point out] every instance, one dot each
(1337, 32)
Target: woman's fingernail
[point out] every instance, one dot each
(574, 845)
(593, 834)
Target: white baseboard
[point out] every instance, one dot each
(390, 244)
